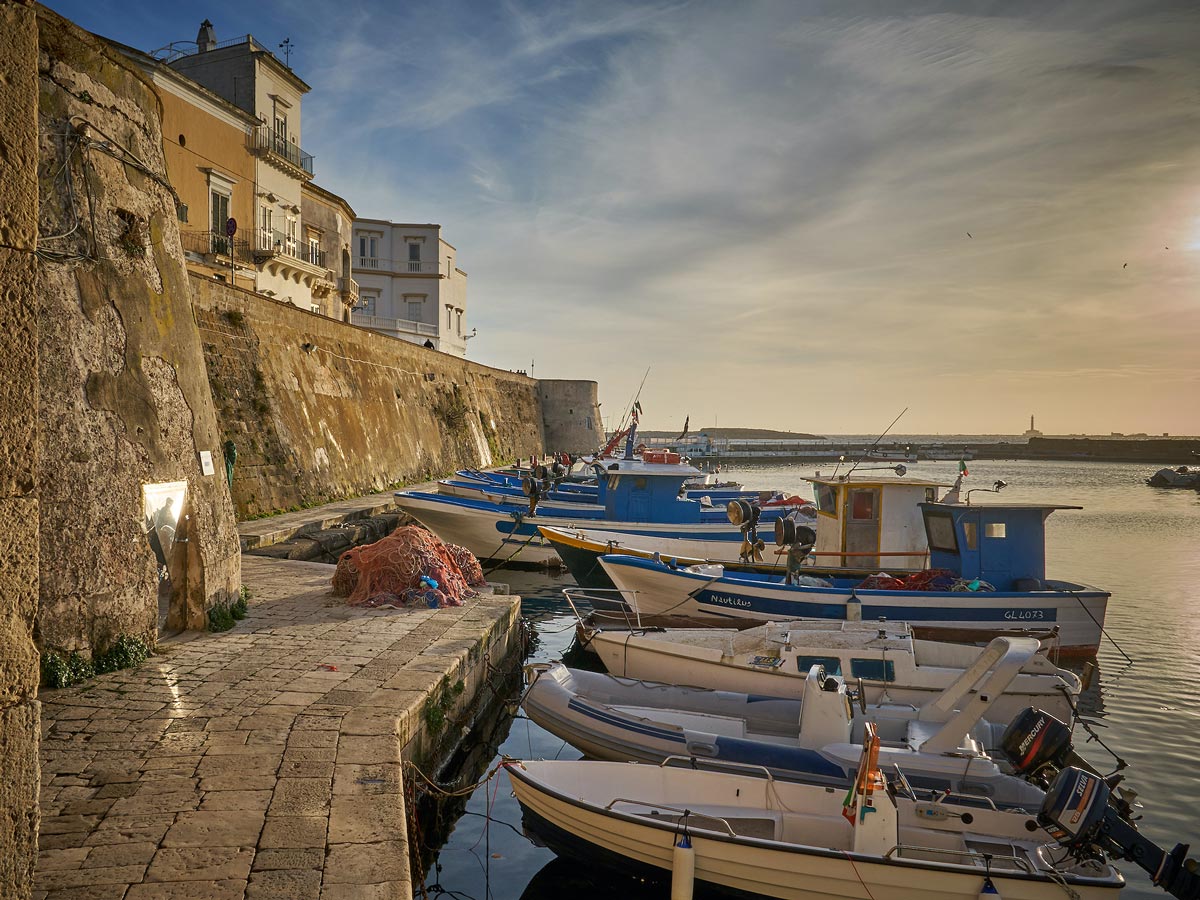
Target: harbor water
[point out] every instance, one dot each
(1140, 543)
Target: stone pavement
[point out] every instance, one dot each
(261, 763)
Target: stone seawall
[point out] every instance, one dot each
(319, 410)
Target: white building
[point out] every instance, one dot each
(409, 285)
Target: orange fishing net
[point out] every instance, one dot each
(398, 571)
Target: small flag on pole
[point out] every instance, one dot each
(962, 468)
(686, 422)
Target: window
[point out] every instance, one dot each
(873, 669)
(219, 203)
(832, 665)
(414, 252)
(458, 321)
(940, 530)
(281, 134)
(862, 505)
(290, 246)
(265, 227)
(826, 497)
(314, 250)
(994, 530)
(368, 251)
(971, 535)
(414, 310)
(449, 310)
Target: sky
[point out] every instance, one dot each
(795, 214)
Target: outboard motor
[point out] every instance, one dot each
(1080, 813)
(1038, 745)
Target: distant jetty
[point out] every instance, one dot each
(741, 445)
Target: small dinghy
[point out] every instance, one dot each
(755, 835)
(883, 660)
(943, 745)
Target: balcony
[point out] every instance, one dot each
(398, 266)
(214, 246)
(396, 327)
(349, 290)
(277, 149)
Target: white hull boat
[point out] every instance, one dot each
(757, 836)
(943, 744)
(656, 590)
(883, 660)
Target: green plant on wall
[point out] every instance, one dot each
(440, 703)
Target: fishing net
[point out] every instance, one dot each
(926, 580)
(398, 571)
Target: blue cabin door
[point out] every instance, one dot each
(861, 527)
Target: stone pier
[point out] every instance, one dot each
(264, 762)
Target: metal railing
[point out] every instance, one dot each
(264, 139)
(401, 266)
(349, 289)
(212, 243)
(314, 255)
(384, 323)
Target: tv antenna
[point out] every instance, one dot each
(286, 47)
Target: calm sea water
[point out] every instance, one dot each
(1140, 543)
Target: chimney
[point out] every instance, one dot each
(206, 39)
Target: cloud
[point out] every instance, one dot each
(773, 193)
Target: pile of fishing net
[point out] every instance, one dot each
(925, 580)
(409, 567)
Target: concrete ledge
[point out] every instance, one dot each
(264, 762)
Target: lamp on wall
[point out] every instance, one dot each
(474, 333)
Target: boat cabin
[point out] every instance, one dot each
(872, 523)
(1002, 544)
(633, 490)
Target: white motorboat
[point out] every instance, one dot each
(945, 744)
(764, 837)
(882, 659)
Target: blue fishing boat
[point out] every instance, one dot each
(987, 570)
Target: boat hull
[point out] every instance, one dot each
(659, 590)
(633, 655)
(749, 867)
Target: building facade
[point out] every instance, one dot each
(409, 284)
(232, 116)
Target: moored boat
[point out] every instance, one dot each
(993, 558)
(883, 660)
(754, 835)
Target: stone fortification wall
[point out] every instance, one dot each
(319, 410)
(1177, 451)
(571, 415)
(123, 393)
(19, 718)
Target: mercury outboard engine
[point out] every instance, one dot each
(745, 516)
(1083, 809)
(799, 539)
(1080, 813)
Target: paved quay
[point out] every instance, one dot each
(264, 762)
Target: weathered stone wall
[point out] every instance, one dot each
(19, 719)
(320, 410)
(571, 416)
(123, 392)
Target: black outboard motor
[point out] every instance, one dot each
(1080, 813)
(1038, 745)
(799, 539)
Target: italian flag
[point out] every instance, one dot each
(962, 468)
